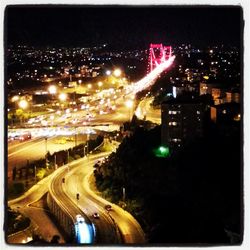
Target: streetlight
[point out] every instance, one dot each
(52, 89)
(129, 105)
(46, 152)
(75, 137)
(23, 104)
(85, 150)
(100, 84)
(117, 72)
(108, 72)
(63, 97)
(14, 99)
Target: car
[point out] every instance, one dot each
(79, 218)
(108, 207)
(16, 137)
(96, 215)
(10, 138)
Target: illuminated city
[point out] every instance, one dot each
(123, 136)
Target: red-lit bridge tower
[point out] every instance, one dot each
(158, 54)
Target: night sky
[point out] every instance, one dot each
(122, 27)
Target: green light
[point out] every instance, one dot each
(162, 152)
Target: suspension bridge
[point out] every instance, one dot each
(160, 59)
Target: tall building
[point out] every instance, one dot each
(181, 121)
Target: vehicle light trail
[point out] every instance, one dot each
(160, 59)
(150, 78)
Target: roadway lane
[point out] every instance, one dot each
(151, 114)
(39, 217)
(107, 232)
(67, 204)
(20, 152)
(89, 202)
(130, 229)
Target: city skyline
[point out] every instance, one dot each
(123, 125)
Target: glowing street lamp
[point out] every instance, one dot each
(100, 84)
(62, 97)
(129, 104)
(108, 72)
(23, 104)
(117, 72)
(89, 85)
(52, 89)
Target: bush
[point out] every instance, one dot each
(16, 222)
(41, 173)
(18, 188)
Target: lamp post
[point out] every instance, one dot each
(46, 151)
(100, 84)
(117, 72)
(129, 105)
(52, 89)
(14, 99)
(68, 160)
(62, 97)
(85, 150)
(23, 104)
(75, 137)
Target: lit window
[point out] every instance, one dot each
(172, 123)
(176, 140)
(172, 112)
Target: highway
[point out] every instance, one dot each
(130, 229)
(65, 194)
(20, 152)
(145, 109)
(76, 181)
(113, 227)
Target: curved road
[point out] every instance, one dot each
(37, 214)
(151, 114)
(76, 181)
(105, 228)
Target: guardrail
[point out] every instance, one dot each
(61, 212)
(62, 216)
